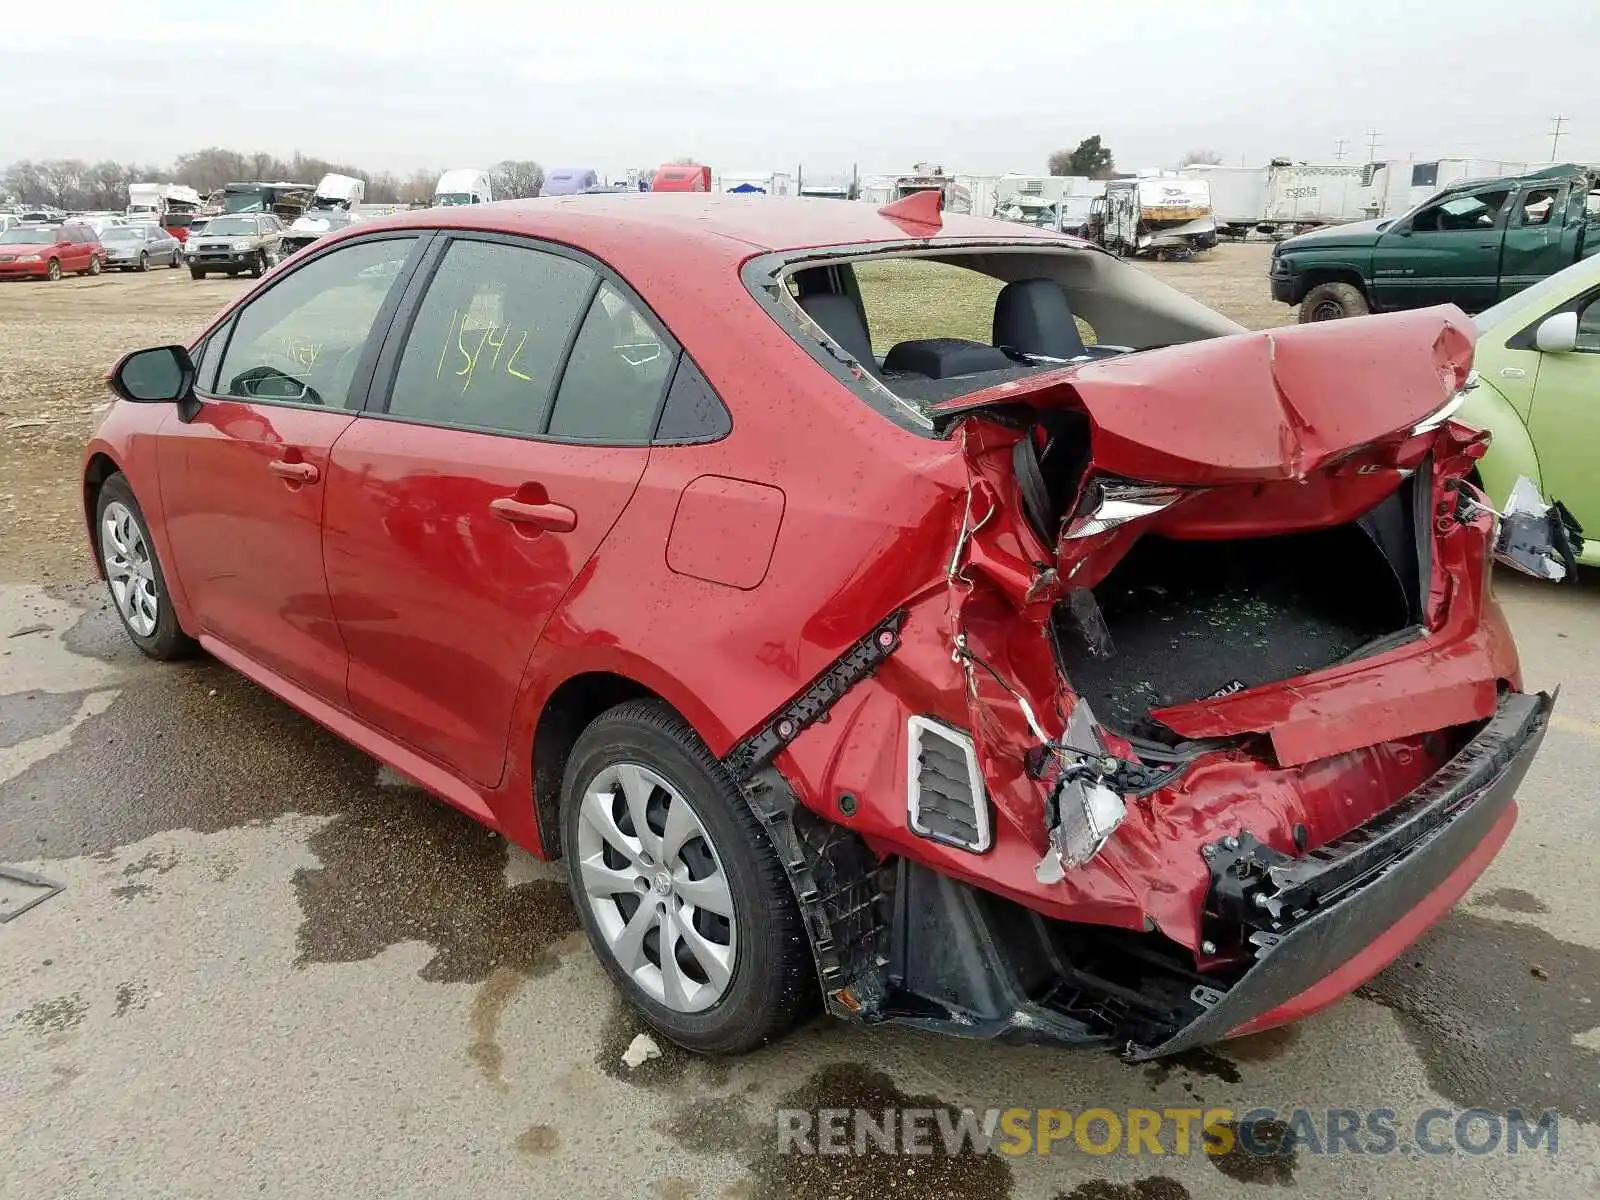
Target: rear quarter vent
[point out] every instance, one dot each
(945, 793)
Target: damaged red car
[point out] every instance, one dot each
(1088, 671)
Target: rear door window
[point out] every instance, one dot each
(489, 338)
(612, 386)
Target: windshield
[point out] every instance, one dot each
(27, 237)
(121, 233)
(244, 202)
(234, 227)
(451, 199)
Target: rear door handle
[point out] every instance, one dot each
(294, 472)
(556, 518)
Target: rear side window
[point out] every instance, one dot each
(611, 389)
(489, 337)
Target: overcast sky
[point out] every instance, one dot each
(980, 87)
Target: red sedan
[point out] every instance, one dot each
(1143, 687)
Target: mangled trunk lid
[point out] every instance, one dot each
(1254, 408)
(1258, 436)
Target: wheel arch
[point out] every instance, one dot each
(1318, 275)
(98, 468)
(569, 709)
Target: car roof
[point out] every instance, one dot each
(620, 226)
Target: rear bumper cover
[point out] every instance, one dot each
(1412, 861)
(967, 963)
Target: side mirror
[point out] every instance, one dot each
(1557, 334)
(160, 375)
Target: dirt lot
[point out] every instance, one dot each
(61, 338)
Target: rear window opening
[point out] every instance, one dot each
(1179, 621)
(931, 325)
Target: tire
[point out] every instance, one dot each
(258, 267)
(196, 273)
(176, 262)
(53, 271)
(144, 261)
(1332, 301)
(123, 543)
(94, 267)
(770, 983)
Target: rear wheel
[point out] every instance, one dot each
(680, 891)
(133, 574)
(94, 266)
(1333, 301)
(53, 271)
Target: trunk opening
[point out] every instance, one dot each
(1178, 621)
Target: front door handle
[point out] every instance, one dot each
(555, 518)
(294, 472)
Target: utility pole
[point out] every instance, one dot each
(1338, 148)
(1372, 146)
(1555, 135)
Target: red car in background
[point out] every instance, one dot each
(50, 251)
(1144, 688)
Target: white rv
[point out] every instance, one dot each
(1161, 216)
(339, 192)
(1059, 202)
(153, 201)
(462, 185)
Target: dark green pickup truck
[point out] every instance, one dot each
(1473, 244)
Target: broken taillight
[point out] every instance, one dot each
(1116, 502)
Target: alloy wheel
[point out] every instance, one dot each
(129, 569)
(655, 885)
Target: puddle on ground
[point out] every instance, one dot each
(875, 1174)
(1511, 900)
(713, 1125)
(1493, 1008)
(667, 1070)
(1262, 1152)
(402, 866)
(1157, 1187)
(538, 1140)
(1199, 1061)
(197, 746)
(35, 713)
(56, 1015)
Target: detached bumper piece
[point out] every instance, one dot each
(960, 961)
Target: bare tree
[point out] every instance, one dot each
(517, 179)
(1201, 158)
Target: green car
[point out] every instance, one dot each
(1538, 393)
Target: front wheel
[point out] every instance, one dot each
(53, 271)
(144, 261)
(196, 273)
(1332, 302)
(681, 893)
(258, 267)
(133, 573)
